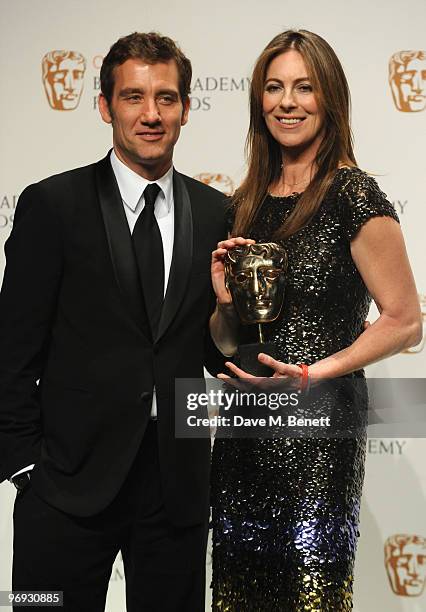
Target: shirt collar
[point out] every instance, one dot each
(132, 185)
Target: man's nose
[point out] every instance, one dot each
(150, 112)
(417, 83)
(254, 284)
(69, 82)
(258, 284)
(412, 567)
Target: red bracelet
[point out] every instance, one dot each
(305, 376)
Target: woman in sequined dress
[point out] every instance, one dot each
(285, 511)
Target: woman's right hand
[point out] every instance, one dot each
(218, 267)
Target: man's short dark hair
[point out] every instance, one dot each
(150, 47)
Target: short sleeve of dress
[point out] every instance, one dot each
(362, 199)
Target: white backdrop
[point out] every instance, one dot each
(223, 39)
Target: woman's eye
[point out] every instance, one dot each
(273, 88)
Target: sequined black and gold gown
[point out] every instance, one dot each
(285, 511)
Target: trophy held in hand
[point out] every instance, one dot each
(255, 277)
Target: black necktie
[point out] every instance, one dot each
(149, 255)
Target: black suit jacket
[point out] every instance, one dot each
(72, 316)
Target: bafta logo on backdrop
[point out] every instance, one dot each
(419, 347)
(221, 182)
(63, 78)
(407, 80)
(405, 561)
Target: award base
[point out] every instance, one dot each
(246, 358)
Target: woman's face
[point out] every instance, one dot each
(290, 108)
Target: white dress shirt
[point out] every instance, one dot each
(131, 187)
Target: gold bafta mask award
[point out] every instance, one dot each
(63, 78)
(255, 277)
(407, 80)
(405, 561)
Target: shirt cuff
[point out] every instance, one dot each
(25, 469)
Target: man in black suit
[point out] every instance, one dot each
(105, 301)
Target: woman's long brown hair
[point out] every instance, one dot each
(264, 153)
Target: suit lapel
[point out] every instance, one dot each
(120, 241)
(182, 254)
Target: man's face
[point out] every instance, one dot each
(64, 84)
(256, 284)
(408, 569)
(409, 86)
(146, 113)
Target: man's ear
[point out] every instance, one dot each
(104, 109)
(185, 111)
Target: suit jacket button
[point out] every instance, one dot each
(145, 396)
(156, 349)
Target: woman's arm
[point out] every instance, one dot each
(379, 253)
(224, 322)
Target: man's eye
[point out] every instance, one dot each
(271, 274)
(166, 99)
(241, 278)
(402, 561)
